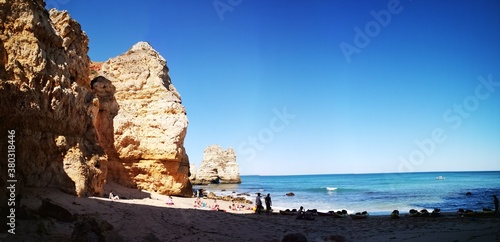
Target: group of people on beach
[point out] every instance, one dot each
(198, 204)
(237, 207)
(216, 207)
(301, 213)
(258, 204)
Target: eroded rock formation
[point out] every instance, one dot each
(149, 129)
(45, 97)
(217, 166)
(65, 124)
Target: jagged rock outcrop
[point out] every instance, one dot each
(149, 129)
(45, 97)
(217, 166)
(192, 171)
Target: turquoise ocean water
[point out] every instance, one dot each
(375, 193)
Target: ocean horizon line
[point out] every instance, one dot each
(371, 173)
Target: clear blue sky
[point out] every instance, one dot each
(317, 86)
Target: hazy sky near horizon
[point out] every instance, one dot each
(317, 86)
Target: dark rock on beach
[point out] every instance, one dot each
(53, 210)
(296, 237)
(89, 228)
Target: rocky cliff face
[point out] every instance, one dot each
(45, 97)
(147, 147)
(65, 124)
(217, 166)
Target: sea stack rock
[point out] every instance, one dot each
(45, 98)
(150, 125)
(217, 166)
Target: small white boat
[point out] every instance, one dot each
(440, 178)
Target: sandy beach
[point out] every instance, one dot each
(145, 216)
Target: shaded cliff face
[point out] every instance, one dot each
(149, 129)
(217, 166)
(45, 97)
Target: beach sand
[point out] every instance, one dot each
(144, 216)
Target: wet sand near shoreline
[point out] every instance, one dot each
(146, 217)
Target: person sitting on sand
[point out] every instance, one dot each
(170, 201)
(215, 207)
(495, 202)
(197, 203)
(233, 207)
(301, 214)
(113, 197)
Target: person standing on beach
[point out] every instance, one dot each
(495, 201)
(258, 204)
(268, 202)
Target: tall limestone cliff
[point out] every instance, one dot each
(45, 97)
(147, 149)
(217, 166)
